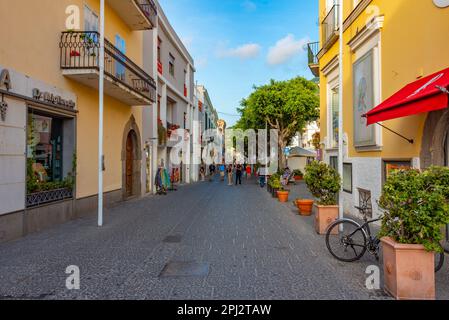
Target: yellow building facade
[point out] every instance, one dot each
(49, 89)
(387, 45)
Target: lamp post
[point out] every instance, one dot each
(100, 117)
(340, 109)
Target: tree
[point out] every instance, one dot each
(287, 106)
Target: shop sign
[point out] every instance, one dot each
(49, 97)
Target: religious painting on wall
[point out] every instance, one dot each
(363, 100)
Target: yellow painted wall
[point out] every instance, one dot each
(29, 43)
(413, 44)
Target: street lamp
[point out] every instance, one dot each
(100, 117)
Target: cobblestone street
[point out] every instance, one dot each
(236, 242)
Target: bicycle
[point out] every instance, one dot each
(348, 241)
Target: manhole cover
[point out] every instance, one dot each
(173, 239)
(185, 269)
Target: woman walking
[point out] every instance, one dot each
(230, 174)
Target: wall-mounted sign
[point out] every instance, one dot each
(5, 80)
(441, 3)
(53, 99)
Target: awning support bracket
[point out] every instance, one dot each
(411, 141)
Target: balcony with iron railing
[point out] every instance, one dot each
(312, 50)
(124, 80)
(330, 27)
(137, 14)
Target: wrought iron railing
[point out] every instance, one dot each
(149, 9)
(330, 24)
(44, 197)
(81, 50)
(313, 49)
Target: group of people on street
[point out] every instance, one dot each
(233, 170)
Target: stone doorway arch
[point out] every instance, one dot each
(433, 151)
(131, 160)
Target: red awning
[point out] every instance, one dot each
(424, 95)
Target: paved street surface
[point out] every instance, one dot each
(205, 241)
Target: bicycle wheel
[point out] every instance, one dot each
(439, 261)
(349, 245)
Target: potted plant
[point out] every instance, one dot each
(305, 206)
(416, 207)
(275, 185)
(283, 194)
(324, 183)
(298, 175)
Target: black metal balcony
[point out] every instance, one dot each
(313, 49)
(137, 14)
(124, 80)
(330, 26)
(149, 8)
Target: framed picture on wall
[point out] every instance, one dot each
(363, 100)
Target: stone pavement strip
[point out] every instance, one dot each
(205, 241)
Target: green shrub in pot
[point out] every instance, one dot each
(323, 182)
(416, 207)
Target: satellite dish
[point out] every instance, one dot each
(441, 3)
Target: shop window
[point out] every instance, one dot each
(333, 162)
(50, 152)
(391, 165)
(347, 177)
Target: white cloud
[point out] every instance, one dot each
(285, 49)
(249, 5)
(244, 52)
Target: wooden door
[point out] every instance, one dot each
(129, 164)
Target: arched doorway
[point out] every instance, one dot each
(130, 152)
(131, 160)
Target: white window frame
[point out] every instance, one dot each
(370, 39)
(331, 72)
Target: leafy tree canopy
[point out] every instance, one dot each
(287, 106)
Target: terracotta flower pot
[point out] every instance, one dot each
(274, 192)
(283, 195)
(305, 207)
(409, 271)
(298, 178)
(325, 215)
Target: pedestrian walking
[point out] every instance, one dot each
(222, 170)
(262, 173)
(212, 169)
(248, 172)
(230, 171)
(238, 174)
(203, 173)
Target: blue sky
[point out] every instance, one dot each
(237, 44)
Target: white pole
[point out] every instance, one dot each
(100, 118)
(340, 111)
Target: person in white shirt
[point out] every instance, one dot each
(262, 173)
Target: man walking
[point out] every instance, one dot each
(212, 169)
(238, 174)
(222, 170)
